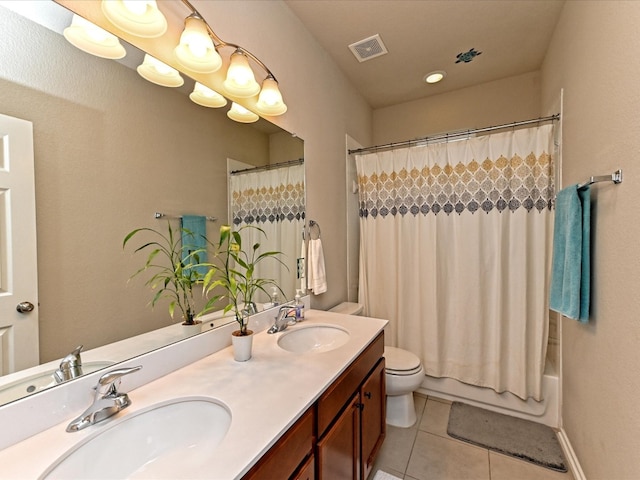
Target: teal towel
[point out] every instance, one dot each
(194, 233)
(571, 265)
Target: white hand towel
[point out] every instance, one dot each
(303, 275)
(316, 276)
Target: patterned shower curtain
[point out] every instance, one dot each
(274, 201)
(455, 249)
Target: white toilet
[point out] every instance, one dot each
(403, 375)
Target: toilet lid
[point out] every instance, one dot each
(399, 360)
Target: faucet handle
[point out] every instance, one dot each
(76, 354)
(284, 310)
(70, 366)
(109, 379)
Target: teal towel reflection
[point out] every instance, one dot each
(194, 232)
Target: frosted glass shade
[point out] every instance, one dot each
(241, 114)
(240, 81)
(196, 50)
(159, 73)
(203, 95)
(270, 100)
(92, 39)
(141, 18)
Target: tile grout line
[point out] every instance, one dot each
(415, 436)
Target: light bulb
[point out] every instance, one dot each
(270, 100)
(240, 81)
(141, 18)
(159, 73)
(136, 7)
(196, 50)
(92, 39)
(241, 114)
(203, 95)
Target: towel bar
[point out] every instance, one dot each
(161, 215)
(615, 177)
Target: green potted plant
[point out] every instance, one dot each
(235, 275)
(174, 272)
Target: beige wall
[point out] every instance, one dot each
(492, 103)
(591, 57)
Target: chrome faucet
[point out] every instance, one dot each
(107, 401)
(70, 367)
(282, 320)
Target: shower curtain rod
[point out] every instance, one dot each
(288, 163)
(454, 135)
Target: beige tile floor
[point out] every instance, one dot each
(426, 452)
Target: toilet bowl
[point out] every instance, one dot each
(403, 375)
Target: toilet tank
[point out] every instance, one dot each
(348, 308)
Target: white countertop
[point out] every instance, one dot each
(265, 395)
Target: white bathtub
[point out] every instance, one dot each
(545, 411)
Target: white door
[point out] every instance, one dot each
(18, 264)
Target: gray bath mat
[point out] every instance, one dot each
(519, 438)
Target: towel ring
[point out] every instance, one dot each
(312, 224)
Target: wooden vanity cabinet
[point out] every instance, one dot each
(339, 437)
(373, 415)
(351, 418)
(291, 454)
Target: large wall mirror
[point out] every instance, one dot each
(111, 150)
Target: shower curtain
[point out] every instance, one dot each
(455, 243)
(272, 200)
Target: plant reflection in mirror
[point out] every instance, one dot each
(234, 273)
(175, 273)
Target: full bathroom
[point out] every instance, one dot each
(113, 152)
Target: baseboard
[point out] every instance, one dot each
(570, 455)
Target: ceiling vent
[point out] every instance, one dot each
(368, 48)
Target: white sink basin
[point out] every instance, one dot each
(38, 382)
(166, 441)
(313, 338)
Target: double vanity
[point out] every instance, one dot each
(309, 404)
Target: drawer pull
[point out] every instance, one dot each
(368, 395)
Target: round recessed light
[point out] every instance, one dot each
(435, 77)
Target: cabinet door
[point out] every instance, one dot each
(372, 417)
(339, 450)
(307, 471)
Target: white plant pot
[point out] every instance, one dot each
(242, 345)
(190, 330)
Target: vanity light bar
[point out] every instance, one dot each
(141, 23)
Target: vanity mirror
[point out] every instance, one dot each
(111, 149)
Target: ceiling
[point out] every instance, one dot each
(426, 35)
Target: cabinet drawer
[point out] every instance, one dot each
(335, 398)
(284, 458)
